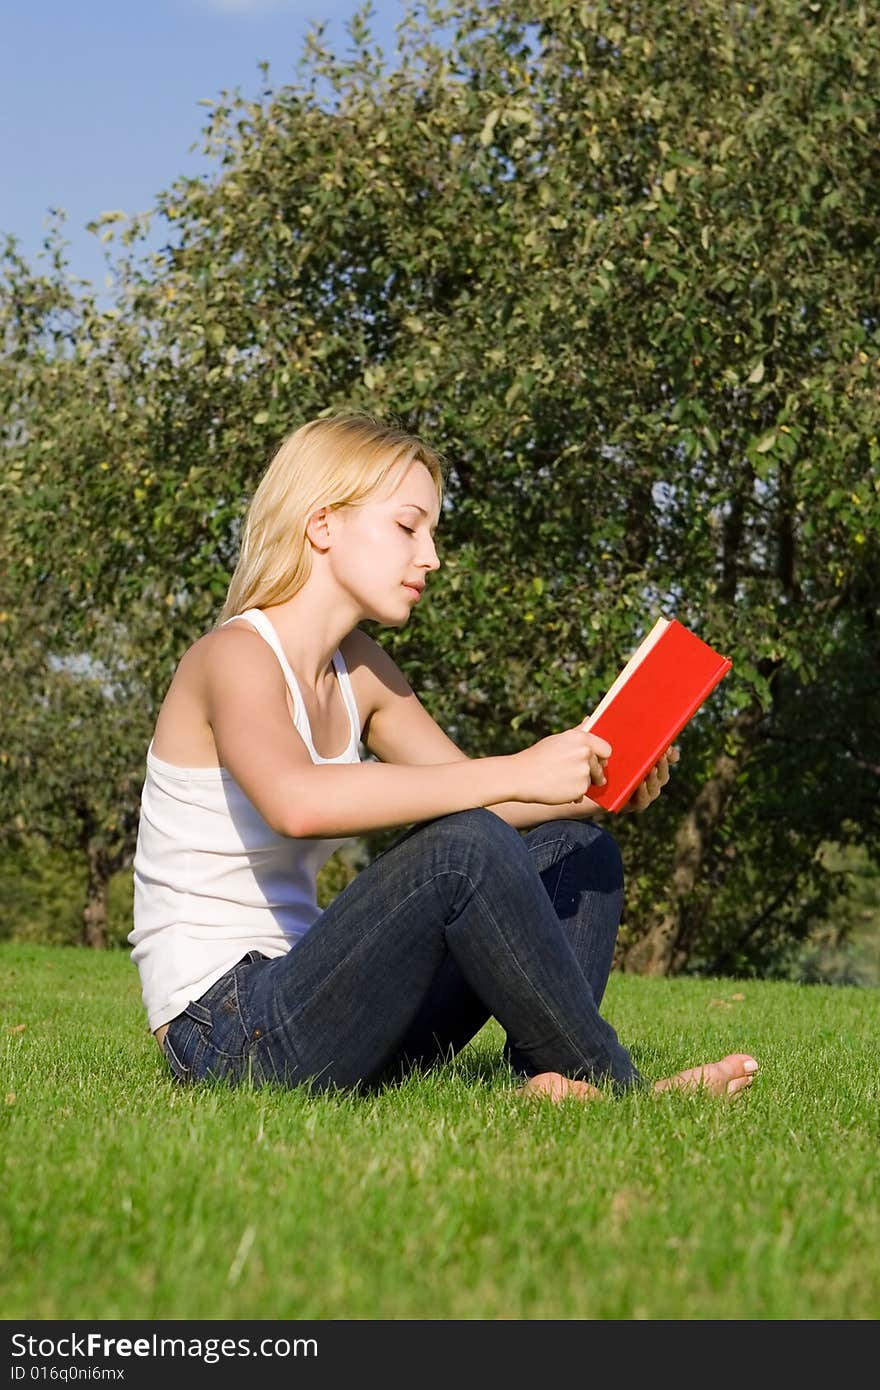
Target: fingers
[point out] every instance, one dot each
(652, 784)
(656, 779)
(639, 799)
(598, 752)
(597, 771)
(598, 745)
(647, 791)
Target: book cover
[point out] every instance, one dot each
(659, 689)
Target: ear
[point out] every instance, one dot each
(318, 528)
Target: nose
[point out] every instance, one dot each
(429, 557)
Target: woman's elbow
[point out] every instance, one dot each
(289, 822)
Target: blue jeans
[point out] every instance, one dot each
(462, 918)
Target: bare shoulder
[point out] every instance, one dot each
(375, 676)
(235, 654)
(396, 726)
(222, 652)
(399, 728)
(216, 666)
(231, 635)
(363, 654)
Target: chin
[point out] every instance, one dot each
(390, 617)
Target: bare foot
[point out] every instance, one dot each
(725, 1078)
(556, 1087)
(728, 1077)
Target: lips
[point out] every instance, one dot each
(415, 588)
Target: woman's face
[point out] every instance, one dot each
(387, 548)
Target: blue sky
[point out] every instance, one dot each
(99, 98)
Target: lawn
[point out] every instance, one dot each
(125, 1196)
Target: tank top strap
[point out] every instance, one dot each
(347, 694)
(266, 630)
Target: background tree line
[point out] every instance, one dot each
(618, 262)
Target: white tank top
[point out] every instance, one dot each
(212, 881)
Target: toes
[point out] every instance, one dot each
(740, 1063)
(584, 1091)
(727, 1077)
(737, 1086)
(545, 1083)
(557, 1087)
(736, 1067)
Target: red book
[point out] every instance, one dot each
(659, 689)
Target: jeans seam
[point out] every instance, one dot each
(286, 1024)
(559, 862)
(180, 1070)
(441, 874)
(548, 1011)
(244, 1028)
(560, 867)
(361, 941)
(563, 1032)
(563, 840)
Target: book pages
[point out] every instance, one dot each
(635, 660)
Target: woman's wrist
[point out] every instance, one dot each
(523, 815)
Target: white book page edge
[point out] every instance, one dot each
(635, 660)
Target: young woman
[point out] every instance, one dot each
(254, 779)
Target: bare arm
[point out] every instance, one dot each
(400, 730)
(255, 739)
(246, 707)
(524, 814)
(349, 799)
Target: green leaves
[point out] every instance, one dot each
(489, 125)
(620, 269)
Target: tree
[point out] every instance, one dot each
(73, 739)
(616, 260)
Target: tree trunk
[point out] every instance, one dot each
(94, 932)
(665, 947)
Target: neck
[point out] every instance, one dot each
(311, 626)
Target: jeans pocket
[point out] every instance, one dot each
(208, 1039)
(269, 1057)
(271, 1060)
(184, 1047)
(218, 1016)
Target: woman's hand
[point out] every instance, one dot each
(561, 768)
(657, 778)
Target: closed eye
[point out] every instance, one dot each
(409, 531)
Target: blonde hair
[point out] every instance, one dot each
(339, 460)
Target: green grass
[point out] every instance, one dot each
(127, 1196)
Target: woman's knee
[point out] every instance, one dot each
(477, 831)
(600, 849)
